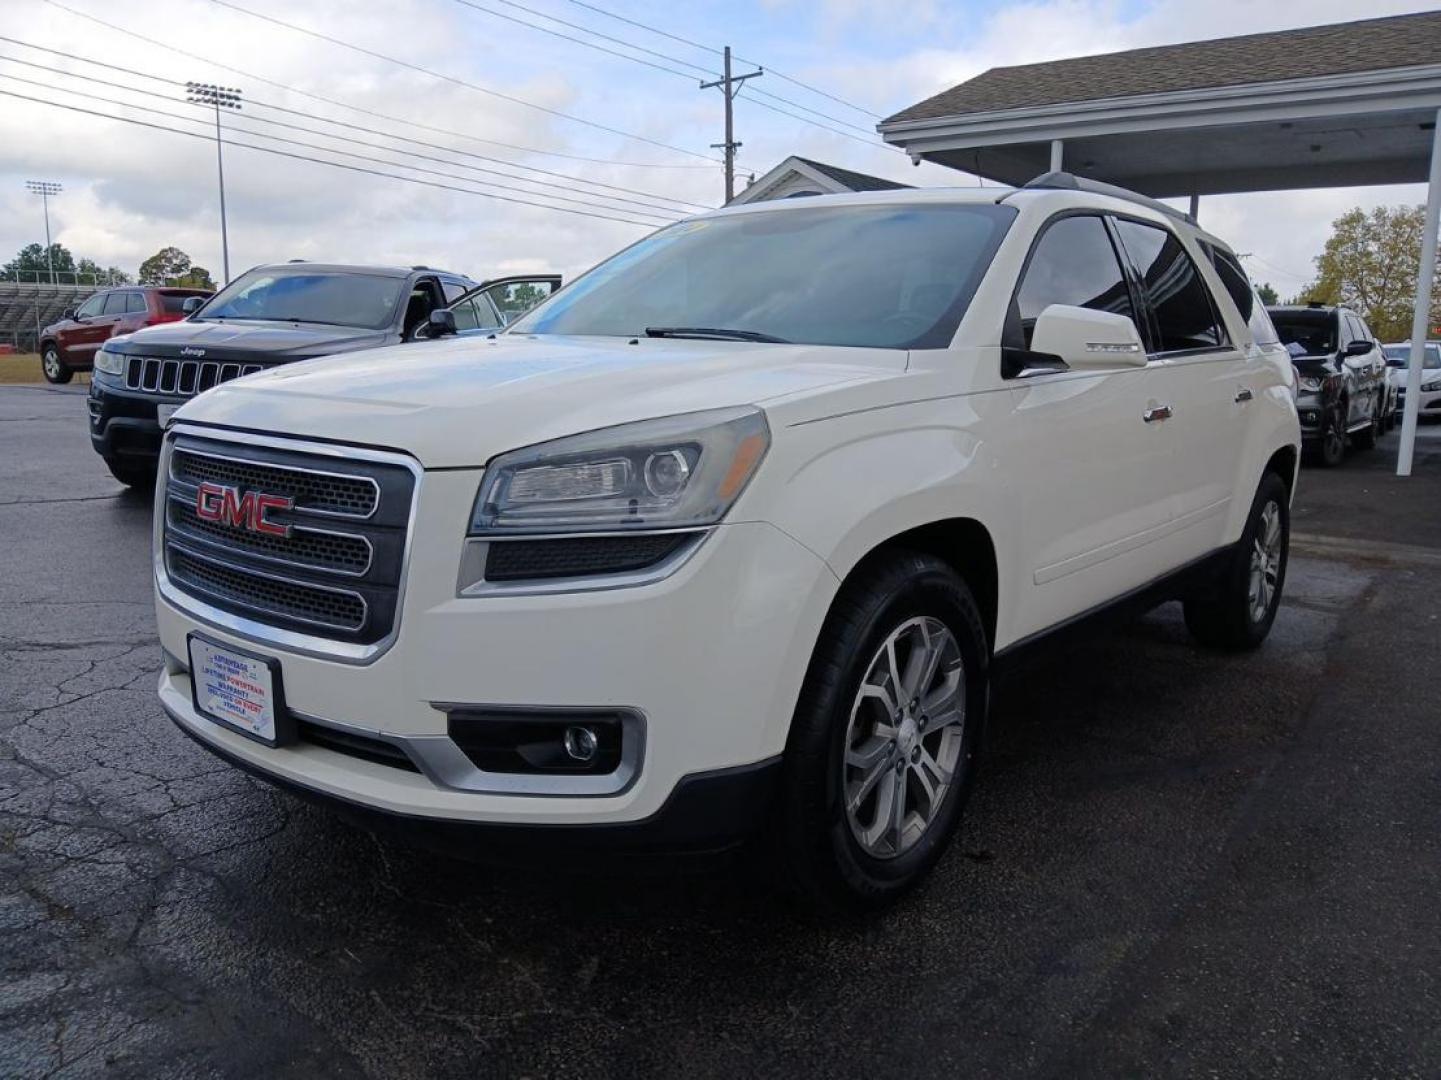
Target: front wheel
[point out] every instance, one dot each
(1235, 611)
(883, 746)
(1332, 448)
(53, 368)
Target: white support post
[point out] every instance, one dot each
(1058, 153)
(1421, 317)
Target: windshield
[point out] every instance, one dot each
(886, 276)
(360, 300)
(1399, 356)
(1313, 331)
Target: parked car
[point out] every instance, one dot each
(1340, 378)
(491, 306)
(70, 345)
(1398, 360)
(735, 531)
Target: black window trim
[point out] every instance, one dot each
(1012, 354)
(1228, 346)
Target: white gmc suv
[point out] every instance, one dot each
(734, 533)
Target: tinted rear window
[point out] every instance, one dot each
(1314, 331)
(172, 303)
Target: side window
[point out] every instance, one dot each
(1228, 269)
(490, 318)
(464, 313)
(453, 290)
(1180, 301)
(135, 302)
(1072, 263)
(92, 307)
(115, 303)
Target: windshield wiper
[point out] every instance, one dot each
(712, 332)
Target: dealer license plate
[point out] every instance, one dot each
(237, 689)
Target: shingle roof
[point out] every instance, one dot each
(1339, 48)
(854, 180)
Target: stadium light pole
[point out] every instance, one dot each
(220, 97)
(46, 188)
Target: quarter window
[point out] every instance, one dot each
(1239, 286)
(1073, 263)
(1179, 299)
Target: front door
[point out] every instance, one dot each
(82, 335)
(1092, 445)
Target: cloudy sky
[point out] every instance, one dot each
(617, 139)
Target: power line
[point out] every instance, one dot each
(456, 80)
(344, 124)
(777, 109)
(157, 43)
(648, 208)
(712, 49)
(632, 45)
(322, 161)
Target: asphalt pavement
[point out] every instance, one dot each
(1175, 863)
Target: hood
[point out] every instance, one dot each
(254, 341)
(457, 403)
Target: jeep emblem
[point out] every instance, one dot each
(190, 350)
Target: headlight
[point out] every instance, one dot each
(110, 363)
(1310, 384)
(1431, 387)
(674, 472)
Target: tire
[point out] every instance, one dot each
(1366, 438)
(855, 858)
(53, 368)
(138, 474)
(1331, 450)
(1235, 611)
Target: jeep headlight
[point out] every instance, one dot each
(1310, 384)
(109, 363)
(675, 472)
(1431, 387)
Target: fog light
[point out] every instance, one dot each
(580, 742)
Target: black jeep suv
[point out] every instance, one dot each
(269, 315)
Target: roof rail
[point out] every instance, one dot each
(1064, 181)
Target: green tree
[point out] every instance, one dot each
(31, 263)
(1369, 264)
(91, 272)
(166, 267)
(1267, 294)
(197, 277)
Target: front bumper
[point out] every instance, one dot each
(712, 658)
(123, 422)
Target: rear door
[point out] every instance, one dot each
(1201, 373)
(1096, 493)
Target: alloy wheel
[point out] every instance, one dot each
(905, 736)
(51, 363)
(1265, 563)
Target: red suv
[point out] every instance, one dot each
(70, 345)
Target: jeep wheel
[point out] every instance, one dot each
(883, 746)
(133, 473)
(1332, 447)
(53, 368)
(1236, 610)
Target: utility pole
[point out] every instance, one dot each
(221, 97)
(46, 188)
(730, 86)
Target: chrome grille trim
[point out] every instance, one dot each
(178, 377)
(257, 630)
(247, 462)
(252, 572)
(188, 531)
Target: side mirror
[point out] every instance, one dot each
(1088, 340)
(1356, 348)
(191, 304)
(69, 313)
(440, 323)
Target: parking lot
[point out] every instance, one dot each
(1175, 863)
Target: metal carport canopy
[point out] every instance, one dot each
(1343, 105)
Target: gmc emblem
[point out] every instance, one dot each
(216, 502)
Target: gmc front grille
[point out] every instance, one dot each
(181, 378)
(334, 572)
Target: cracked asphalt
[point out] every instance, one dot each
(1175, 863)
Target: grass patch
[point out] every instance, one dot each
(23, 368)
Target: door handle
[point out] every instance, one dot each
(1159, 412)
(1244, 394)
